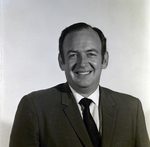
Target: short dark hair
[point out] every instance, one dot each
(80, 26)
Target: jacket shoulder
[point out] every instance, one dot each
(51, 90)
(121, 98)
(50, 94)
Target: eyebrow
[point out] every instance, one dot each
(71, 52)
(90, 50)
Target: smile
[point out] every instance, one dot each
(83, 72)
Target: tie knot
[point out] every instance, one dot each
(85, 102)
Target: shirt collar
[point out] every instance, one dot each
(94, 96)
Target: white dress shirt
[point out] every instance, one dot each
(94, 106)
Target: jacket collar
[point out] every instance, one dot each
(72, 113)
(109, 115)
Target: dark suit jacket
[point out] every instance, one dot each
(50, 118)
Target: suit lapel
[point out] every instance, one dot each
(72, 113)
(109, 114)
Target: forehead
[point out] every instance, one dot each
(79, 39)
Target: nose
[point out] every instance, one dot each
(82, 61)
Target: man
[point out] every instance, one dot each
(60, 117)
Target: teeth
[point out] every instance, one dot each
(83, 73)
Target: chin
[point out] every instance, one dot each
(83, 85)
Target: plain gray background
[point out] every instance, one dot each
(29, 46)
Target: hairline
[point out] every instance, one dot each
(75, 29)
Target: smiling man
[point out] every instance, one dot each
(80, 113)
(82, 61)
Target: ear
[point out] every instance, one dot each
(105, 60)
(61, 63)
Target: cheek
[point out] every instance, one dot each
(96, 64)
(68, 68)
(71, 65)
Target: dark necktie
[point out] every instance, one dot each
(90, 123)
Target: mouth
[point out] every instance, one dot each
(83, 72)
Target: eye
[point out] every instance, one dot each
(91, 54)
(73, 55)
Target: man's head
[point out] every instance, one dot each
(82, 56)
(79, 26)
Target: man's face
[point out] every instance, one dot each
(82, 60)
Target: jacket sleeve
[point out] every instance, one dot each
(142, 139)
(25, 131)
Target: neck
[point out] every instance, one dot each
(85, 92)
